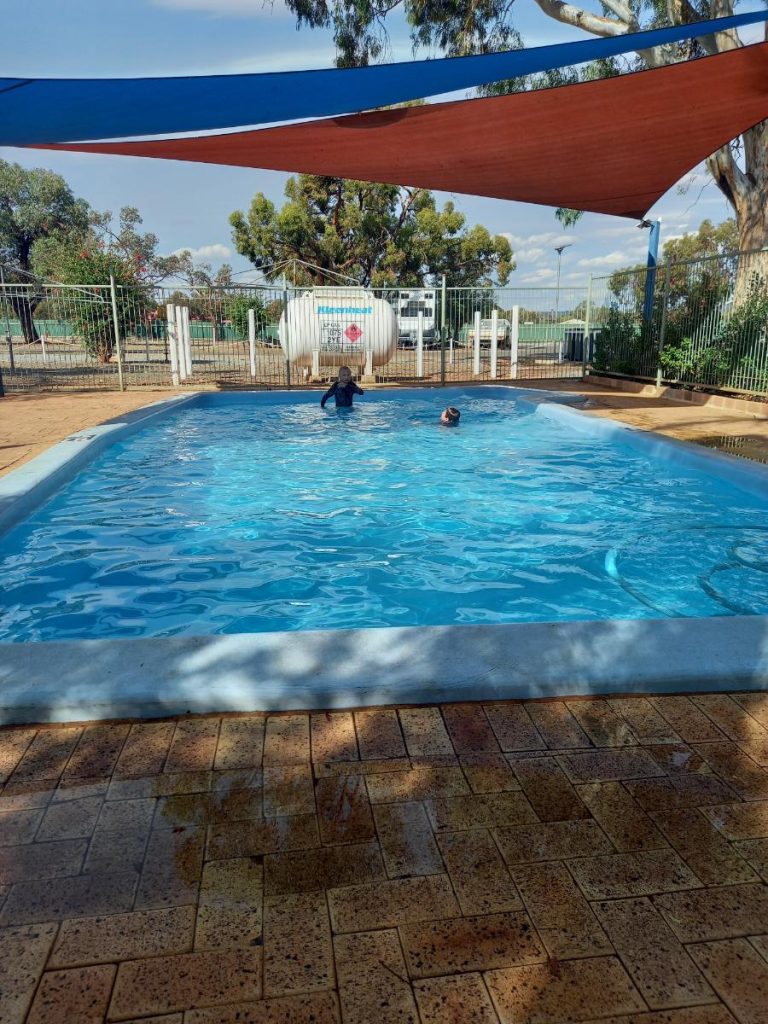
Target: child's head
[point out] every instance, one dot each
(345, 375)
(450, 417)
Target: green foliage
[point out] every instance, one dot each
(624, 345)
(735, 356)
(379, 235)
(235, 309)
(453, 27)
(92, 317)
(34, 204)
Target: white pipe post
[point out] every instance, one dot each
(173, 354)
(184, 313)
(476, 365)
(42, 349)
(420, 344)
(316, 363)
(180, 350)
(494, 343)
(514, 342)
(450, 351)
(252, 341)
(187, 342)
(116, 327)
(369, 363)
(170, 315)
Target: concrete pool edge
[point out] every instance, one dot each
(59, 681)
(156, 677)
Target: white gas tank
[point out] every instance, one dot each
(336, 326)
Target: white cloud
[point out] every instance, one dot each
(216, 251)
(229, 8)
(541, 276)
(611, 259)
(307, 59)
(628, 231)
(547, 238)
(529, 255)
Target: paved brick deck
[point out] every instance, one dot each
(544, 862)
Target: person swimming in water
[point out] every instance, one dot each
(450, 417)
(343, 390)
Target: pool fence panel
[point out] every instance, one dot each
(705, 327)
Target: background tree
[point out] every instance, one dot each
(89, 254)
(379, 235)
(740, 170)
(715, 276)
(35, 205)
(206, 289)
(697, 298)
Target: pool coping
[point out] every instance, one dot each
(56, 681)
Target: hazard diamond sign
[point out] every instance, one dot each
(353, 332)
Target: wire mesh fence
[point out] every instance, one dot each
(702, 323)
(55, 336)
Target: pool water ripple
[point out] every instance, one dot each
(249, 518)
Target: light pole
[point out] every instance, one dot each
(559, 249)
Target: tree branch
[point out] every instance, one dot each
(621, 10)
(569, 14)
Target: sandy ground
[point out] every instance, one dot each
(31, 423)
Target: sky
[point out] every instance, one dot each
(187, 206)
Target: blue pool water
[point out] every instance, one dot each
(248, 513)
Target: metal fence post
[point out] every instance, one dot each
(116, 323)
(287, 340)
(476, 360)
(420, 344)
(663, 327)
(442, 330)
(494, 343)
(171, 329)
(252, 341)
(514, 342)
(187, 340)
(586, 351)
(8, 332)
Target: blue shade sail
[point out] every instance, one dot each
(45, 110)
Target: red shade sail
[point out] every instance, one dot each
(609, 146)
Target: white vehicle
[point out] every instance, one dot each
(337, 326)
(503, 328)
(409, 304)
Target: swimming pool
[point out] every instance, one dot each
(254, 513)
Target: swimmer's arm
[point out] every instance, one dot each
(357, 390)
(331, 391)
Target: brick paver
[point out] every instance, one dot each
(544, 861)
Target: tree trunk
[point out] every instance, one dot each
(745, 190)
(24, 307)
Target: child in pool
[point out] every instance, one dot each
(450, 417)
(343, 389)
